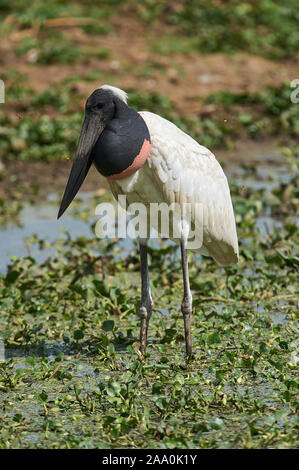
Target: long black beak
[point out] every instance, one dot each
(90, 132)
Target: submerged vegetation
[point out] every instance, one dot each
(72, 377)
(69, 319)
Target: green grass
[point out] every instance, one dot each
(44, 138)
(39, 12)
(273, 102)
(40, 136)
(70, 329)
(58, 51)
(261, 27)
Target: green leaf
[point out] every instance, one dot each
(157, 388)
(161, 402)
(11, 277)
(111, 349)
(214, 338)
(113, 388)
(43, 397)
(108, 325)
(269, 420)
(217, 423)
(220, 373)
(17, 417)
(78, 334)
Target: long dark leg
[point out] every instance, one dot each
(146, 300)
(187, 300)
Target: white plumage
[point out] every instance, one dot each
(180, 170)
(177, 171)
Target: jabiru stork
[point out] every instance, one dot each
(150, 160)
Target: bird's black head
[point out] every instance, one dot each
(99, 110)
(100, 105)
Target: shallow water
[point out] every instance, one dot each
(52, 350)
(83, 367)
(41, 219)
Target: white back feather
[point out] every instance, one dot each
(121, 94)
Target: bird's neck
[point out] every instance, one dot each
(124, 145)
(121, 109)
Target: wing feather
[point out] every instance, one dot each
(185, 171)
(180, 170)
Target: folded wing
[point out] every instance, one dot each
(186, 172)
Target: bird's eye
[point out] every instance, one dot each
(99, 105)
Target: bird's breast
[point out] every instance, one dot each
(123, 146)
